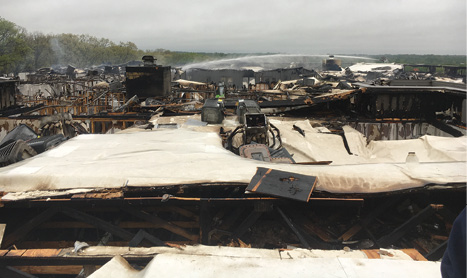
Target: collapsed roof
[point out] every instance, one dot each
(151, 158)
(334, 181)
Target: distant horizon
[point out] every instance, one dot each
(288, 53)
(318, 54)
(418, 27)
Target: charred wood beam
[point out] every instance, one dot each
(49, 270)
(21, 110)
(294, 229)
(247, 223)
(30, 225)
(2, 232)
(229, 220)
(316, 229)
(372, 236)
(98, 223)
(204, 222)
(123, 224)
(282, 103)
(86, 271)
(365, 221)
(444, 127)
(105, 239)
(404, 228)
(313, 238)
(437, 253)
(419, 245)
(70, 259)
(346, 143)
(446, 215)
(311, 231)
(65, 244)
(143, 235)
(161, 222)
(141, 201)
(181, 211)
(10, 272)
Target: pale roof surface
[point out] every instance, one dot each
(193, 155)
(214, 261)
(375, 67)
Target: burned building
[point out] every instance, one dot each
(313, 169)
(273, 76)
(7, 93)
(241, 78)
(454, 71)
(228, 77)
(150, 80)
(329, 196)
(420, 99)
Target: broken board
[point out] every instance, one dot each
(283, 184)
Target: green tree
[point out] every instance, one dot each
(123, 52)
(41, 54)
(13, 46)
(68, 49)
(85, 50)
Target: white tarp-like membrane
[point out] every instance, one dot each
(290, 265)
(372, 67)
(317, 145)
(193, 155)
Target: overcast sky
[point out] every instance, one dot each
(252, 26)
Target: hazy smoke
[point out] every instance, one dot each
(58, 50)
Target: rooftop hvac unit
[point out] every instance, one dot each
(212, 111)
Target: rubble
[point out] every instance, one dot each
(276, 159)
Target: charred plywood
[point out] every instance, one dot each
(280, 183)
(148, 81)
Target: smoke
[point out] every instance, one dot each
(57, 50)
(270, 62)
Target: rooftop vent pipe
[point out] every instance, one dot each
(149, 61)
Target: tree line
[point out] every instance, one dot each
(21, 51)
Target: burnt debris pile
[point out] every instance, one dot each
(330, 156)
